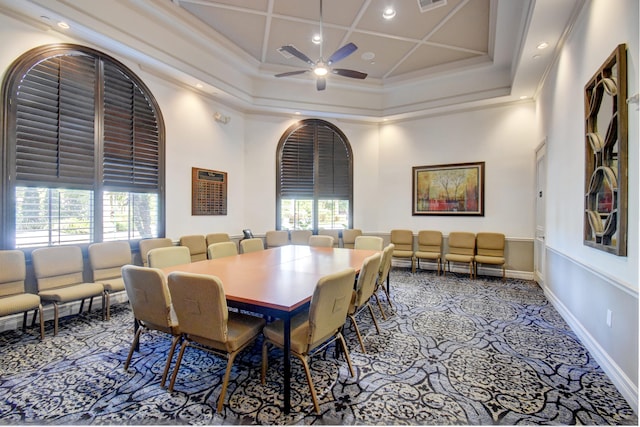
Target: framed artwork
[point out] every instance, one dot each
(455, 189)
(208, 192)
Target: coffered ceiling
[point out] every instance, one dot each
(455, 54)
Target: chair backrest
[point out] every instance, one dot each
(462, 243)
(222, 249)
(107, 258)
(300, 237)
(329, 305)
(373, 243)
(490, 244)
(149, 296)
(402, 239)
(367, 279)
(13, 272)
(217, 238)
(333, 233)
(321, 241)
(385, 263)
(167, 257)
(276, 238)
(147, 244)
(197, 245)
(200, 305)
(349, 237)
(251, 245)
(429, 241)
(57, 266)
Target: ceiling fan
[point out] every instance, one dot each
(321, 67)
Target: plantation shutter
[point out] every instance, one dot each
(333, 165)
(55, 113)
(296, 164)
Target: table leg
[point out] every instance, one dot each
(287, 364)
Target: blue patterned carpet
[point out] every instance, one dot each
(457, 351)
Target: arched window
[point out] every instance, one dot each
(315, 178)
(84, 151)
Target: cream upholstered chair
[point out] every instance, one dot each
(462, 246)
(365, 287)
(251, 245)
(333, 233)
(147, 244)
(205, 321)
(197, 245)
(300, 237)
(312, 329)
(59, 277)
(167, 257)
(275, 238)
(490, 250)
(217, 238)
(13, 297)
(222, 249)
(321, 241)
(107, 259)
(429, 247)
(349, 237)
(373, 243)
(382, 283)
(403, 241)
(152, 309)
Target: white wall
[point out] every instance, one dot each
(584, 282)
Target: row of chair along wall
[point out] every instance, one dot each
(518, 254)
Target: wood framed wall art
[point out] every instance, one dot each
(208, 192)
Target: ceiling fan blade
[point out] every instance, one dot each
(321, 83)
(295, 52)
(292, 73)
(342, 53)
(349, 73)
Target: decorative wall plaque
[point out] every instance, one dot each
(605, 201)
(208, 192)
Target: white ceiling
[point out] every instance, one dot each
(459, 55)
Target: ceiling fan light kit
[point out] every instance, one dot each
(321, 67)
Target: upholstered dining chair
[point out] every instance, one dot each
(222, 249)
(365, 287)
(152, 308)
(275, 238)
(167, 257)
(330, 232)
(251, 245)
(462, 247)
(373, 243)
(382, 282)
(429, 247)
(13, 296)
(106, 260)
(403, 241)
(197, 245)
(58, 271)
(321, 241)
(490, 250)
(217, 238)
(147, 244)
(300, 237)
(349, 237)
(313, 329)
(206, 323)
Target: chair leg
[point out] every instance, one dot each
(225, 382)
(177, 367)
(307, 371)
(375, 322)
(134, 344)
(24, 322)
(106, 308)
(41, 315)
(504, 277)
(384, 316)
(471, 270)
(346, 352)
(55, 318)
(174, 343)
(413, 265)
(355, 326)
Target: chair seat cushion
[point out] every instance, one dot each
(18, 303)
(458, 258)
(402, 254)
(113, 285)
(72, 292)
(489, 259)
(274, 332)
(428, 255)
(241, 328)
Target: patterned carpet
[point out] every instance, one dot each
(457, 351)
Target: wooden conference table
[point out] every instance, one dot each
(276, 282)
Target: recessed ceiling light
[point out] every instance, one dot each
(389, 13)
(543, 45)
(368, 56)
(297, 113)
(536, 56)
(316, 39)
(524, 97)
(199, 85)
(63, 25)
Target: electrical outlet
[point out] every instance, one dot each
(609, 314)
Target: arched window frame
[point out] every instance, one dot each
(147, 141)
(312, 184)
